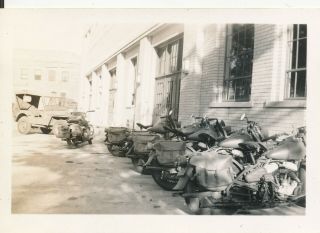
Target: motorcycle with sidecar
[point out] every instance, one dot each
(75, 129)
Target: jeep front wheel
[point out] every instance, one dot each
(24, 126)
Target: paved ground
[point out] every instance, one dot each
(51, 177)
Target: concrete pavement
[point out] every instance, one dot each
(51, 177)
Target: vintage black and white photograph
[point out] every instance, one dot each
(157, 117)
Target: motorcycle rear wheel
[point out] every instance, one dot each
(163, 177)
(114, 150)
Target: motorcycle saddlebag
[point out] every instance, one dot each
(141, 140)
(214, 170)
(169, 152)
(117, 134)
(61, 131)
(76, 130)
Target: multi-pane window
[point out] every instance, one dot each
(169, 58)
(64, 76)
(24, 73)
(134, 62)
(297, 67)
(51, 75)
(113, 79)
(239, 57)
(37, 75)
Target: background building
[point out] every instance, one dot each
(53, 73)
(216, 70)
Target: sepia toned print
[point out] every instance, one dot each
(162, 118)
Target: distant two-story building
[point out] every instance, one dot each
(51, 73)
(217, 70)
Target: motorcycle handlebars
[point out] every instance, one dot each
(175, 131)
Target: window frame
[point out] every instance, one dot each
(63, 79)
(55, 75)
(113, 79)
(289, 69)
(24, 73)
(38, 72)
(172, 62)
(228, 48)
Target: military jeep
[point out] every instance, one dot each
(38, 111)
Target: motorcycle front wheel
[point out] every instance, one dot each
(164, 178)
(138, 165)
(193, 203)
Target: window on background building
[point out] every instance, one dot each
(113, 79)
(296, 83)
(134, 62)
(52, 75)
(24, 73)
(63, 94)
(37, 75)
(239, 57)
(53, 93)
(169, 58)
(65, 76)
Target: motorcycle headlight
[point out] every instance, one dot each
(237, 153)
(202, 145)
(149, 145)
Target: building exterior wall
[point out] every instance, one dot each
(267, 82)
(28, 63)
(202, 78)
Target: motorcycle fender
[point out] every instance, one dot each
(184, 179)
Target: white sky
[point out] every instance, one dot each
(43, 30)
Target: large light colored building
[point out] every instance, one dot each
(51, 73)
(216, 70)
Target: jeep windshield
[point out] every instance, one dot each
(45, 103)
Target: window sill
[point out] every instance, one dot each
(231, 105)
(286, 104)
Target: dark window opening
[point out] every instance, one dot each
(239, 62)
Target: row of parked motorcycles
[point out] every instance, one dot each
(211, 166)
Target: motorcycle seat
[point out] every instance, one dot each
(73, 121)
(141, 126)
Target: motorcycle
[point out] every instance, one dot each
(117, 140)
(169, 157)
(233, 144)
(141, 142)
(203, 134)
(277, 177)
(75, 130)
